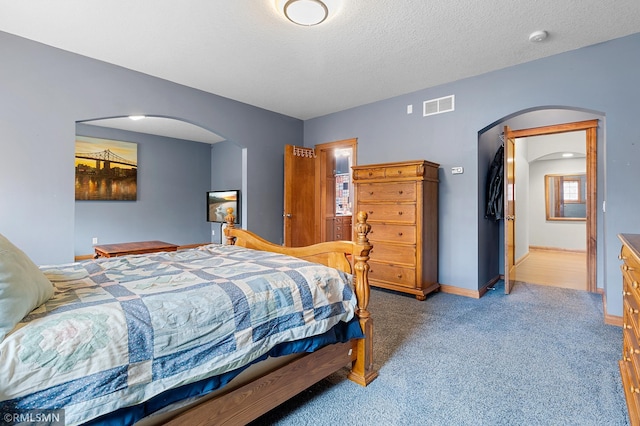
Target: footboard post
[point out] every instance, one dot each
(362, 371)
(230, 222)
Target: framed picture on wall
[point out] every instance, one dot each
(219, 201)
(106, 169)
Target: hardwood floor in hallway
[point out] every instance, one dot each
(559, 268)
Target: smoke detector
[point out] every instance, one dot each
(538, 36)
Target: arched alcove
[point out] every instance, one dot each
(491, 233)
(178, 162)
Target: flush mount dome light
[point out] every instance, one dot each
(306, 12)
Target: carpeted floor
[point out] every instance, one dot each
(539, 356)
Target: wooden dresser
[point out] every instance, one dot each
(342, 228)
(401, 200)
(630, 362)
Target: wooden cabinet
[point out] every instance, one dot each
(338, 228)
(630, 362)
(401, 200)
(342, 228)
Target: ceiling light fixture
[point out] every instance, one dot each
(538, 36)
(567, 154)
(136, 117)
(306, 12)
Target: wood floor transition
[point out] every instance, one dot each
(565, 269)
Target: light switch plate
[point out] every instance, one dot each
(457, 170)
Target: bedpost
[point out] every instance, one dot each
(362, 371)
(230, 222)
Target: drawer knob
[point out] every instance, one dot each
(621, 257)
(633, 311)
(627, 326)
(634, 284)
(624, 293)
(370, 173)
(634, 390)
(627, 268)
(399, 276)
(399, 172)
(370, 211)
(400, 213)
(401, 192)
(399, 234)
(370, 192)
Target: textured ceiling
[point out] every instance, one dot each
(369, 50)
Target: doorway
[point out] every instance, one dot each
(335, 182)
(550, 246)
(318, 192)
(590, 129)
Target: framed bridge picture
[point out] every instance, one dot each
(106, 169)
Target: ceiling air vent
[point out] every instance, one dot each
(437, 106)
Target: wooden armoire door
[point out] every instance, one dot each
(299, 196)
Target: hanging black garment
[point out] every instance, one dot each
(494, 193)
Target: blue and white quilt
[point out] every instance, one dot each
(119, 331)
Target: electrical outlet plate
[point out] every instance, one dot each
(94, 240)
(457, 170)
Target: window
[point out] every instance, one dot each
(571, 191)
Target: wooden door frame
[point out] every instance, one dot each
(591, 128)
(320, 182)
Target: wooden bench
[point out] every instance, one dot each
(121, 249)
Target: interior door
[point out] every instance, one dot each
(509, 210)
(299, 196)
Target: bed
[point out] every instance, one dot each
(218, 334)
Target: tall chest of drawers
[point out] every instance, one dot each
(401, 200)
(630, 362)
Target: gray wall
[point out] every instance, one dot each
(44, 91)
(225, 156)
(171, 172)
(602, 80)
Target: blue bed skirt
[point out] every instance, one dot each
(340, 333)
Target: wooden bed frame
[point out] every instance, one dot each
(250, 401)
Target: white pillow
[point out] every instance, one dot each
(23, 287)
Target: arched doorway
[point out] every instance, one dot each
(544, 120)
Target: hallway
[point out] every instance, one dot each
(559, 268)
